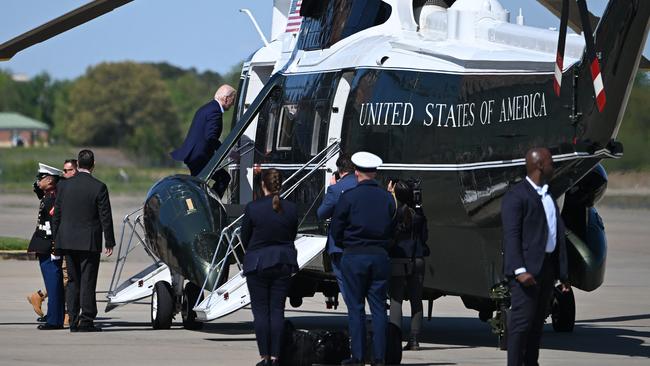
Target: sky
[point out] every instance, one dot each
(204, 34)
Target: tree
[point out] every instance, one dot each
(635, 129)
(122, 104)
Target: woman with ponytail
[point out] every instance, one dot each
(268, 230)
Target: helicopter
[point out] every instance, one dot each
(450, 93)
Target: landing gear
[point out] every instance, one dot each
(191, 293)
(295, 301)
(500, 293)
(332, 302)
(563, 310)
(162, 305)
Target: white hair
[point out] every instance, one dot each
(223, 92)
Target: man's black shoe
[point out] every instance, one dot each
(74, 329)
(351, 362)
(42, 319)
(88, 328)
(47, 326)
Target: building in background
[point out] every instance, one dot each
(18, 130)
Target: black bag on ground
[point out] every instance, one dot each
(306, 348)
(393, 345)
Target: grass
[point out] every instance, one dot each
(7, 243)
(18, 169)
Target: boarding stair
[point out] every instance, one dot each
(231, 294)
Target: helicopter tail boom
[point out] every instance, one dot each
(619, 40)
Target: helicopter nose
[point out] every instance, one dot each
(182, 224)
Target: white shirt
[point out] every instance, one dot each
(220, 106)
(551, 219)
(84, 170)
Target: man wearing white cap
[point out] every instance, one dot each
(42, 244)
(363, 225)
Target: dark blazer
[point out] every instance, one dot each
(363, 219)
(82, 211)
(410, 241)
(202, 139)
(268, 236)
(326, 209)
(525, 231)
(41, 241)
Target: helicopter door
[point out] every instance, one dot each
(258, 77)
(336, 120)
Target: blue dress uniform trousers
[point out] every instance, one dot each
(53, 278)
(268, 290)
(366, 276)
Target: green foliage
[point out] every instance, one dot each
(635, 129)
(18, 169)
(122, 104)
(7, 243)
(33, 98)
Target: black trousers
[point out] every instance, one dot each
(83, 267)
(527, 314)
(268, 290)
(407, 283)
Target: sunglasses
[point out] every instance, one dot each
(68, 170)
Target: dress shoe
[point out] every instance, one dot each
(412, 344)
(378, 363)
(351, 362)
(74, 329)
(263, 363)
(42, 319)
(275, 362)
(88, 329)
(48, 326)
(36, 299)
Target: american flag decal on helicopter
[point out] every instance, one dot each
(294, 20)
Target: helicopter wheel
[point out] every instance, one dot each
(191, 293)
(563, 310)
(162, 306)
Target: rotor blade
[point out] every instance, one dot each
(561, 43)
(59, 25)
(555, 6)
(596, 75)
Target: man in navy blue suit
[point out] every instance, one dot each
(347, 180)
(203, 137)
(534, 256)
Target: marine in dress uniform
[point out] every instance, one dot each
(42, 244)
(363, 226)
(534, 256)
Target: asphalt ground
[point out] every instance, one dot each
(612, 328)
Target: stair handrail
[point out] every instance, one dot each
(226, 237)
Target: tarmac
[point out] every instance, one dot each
(612, 327)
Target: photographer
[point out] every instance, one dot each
(407, 257)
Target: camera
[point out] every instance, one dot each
(415, 185)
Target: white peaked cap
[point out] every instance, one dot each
(44, 169)
(366, 161)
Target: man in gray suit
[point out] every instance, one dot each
(82, 212)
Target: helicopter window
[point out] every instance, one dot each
(285, 129)
(334, 20)
(270, 132)
(316, 132)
